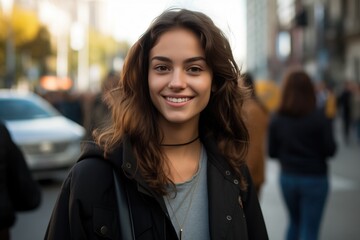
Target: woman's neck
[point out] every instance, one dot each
(179, 134)
(182, 162)
(182, 148)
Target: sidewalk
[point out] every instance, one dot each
(342, 213)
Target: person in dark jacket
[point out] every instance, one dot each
(301, 138)
(176, 146)
(98, 113)
(18, 190)
(344, 102)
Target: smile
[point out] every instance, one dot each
(177, 100)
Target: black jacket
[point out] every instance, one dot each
(18, 190)
(303, 145)
(86, 207)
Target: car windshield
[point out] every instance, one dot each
(22, 109)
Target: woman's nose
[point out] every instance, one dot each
(178, 80)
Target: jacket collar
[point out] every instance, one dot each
(223, 185)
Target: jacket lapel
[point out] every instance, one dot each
(223, 193)
(129, 167)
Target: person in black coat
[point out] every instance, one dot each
(344, 102)
(175, 149)
(18, 190)
(301, 138)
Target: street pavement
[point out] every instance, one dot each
(342, 213)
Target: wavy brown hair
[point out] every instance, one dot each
(134, 115)
(298, 97)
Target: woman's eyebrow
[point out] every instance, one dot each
(194, 59)
(189, 60)
(161, 58)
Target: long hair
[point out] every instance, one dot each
(134, 115)
(298, 96)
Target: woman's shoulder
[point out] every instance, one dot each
(277, 118)
(89, 177)
(319, 114)
(92, 167)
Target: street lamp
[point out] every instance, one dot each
(7, 8)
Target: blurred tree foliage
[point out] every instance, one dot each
(39, 49)
(35, 48)
(30, 39)
(40, 46)
(23, 23)
(102, 51)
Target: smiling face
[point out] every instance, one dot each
(179, 78)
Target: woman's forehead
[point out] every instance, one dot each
(176, 43)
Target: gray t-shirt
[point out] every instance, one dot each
(189, 209)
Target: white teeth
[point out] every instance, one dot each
(177, 100)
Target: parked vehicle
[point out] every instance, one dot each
(48, 139)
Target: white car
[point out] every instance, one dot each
(48, 139)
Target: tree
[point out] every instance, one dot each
(29, 38)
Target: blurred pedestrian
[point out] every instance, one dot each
(356, 110)
(98, 114)
(18, 190)
(326, 99)
(256, 118)
(301, 138)
(70, 105)
(176, 141)
(344, 103)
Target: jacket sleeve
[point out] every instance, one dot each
(86, 204)
(59, 225)
(65, 221)
(254, 218)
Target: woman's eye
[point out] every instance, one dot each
(194, 69)
(161, 68)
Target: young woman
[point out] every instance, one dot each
(301, 138)
(177, 143)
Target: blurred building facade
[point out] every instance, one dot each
(323, 36)
(256, 47)
(351, 14)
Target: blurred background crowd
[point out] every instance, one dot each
(58, 57)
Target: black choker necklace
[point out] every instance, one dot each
(179, 144)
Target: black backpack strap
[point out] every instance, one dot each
(125, 216)
(121, 193)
